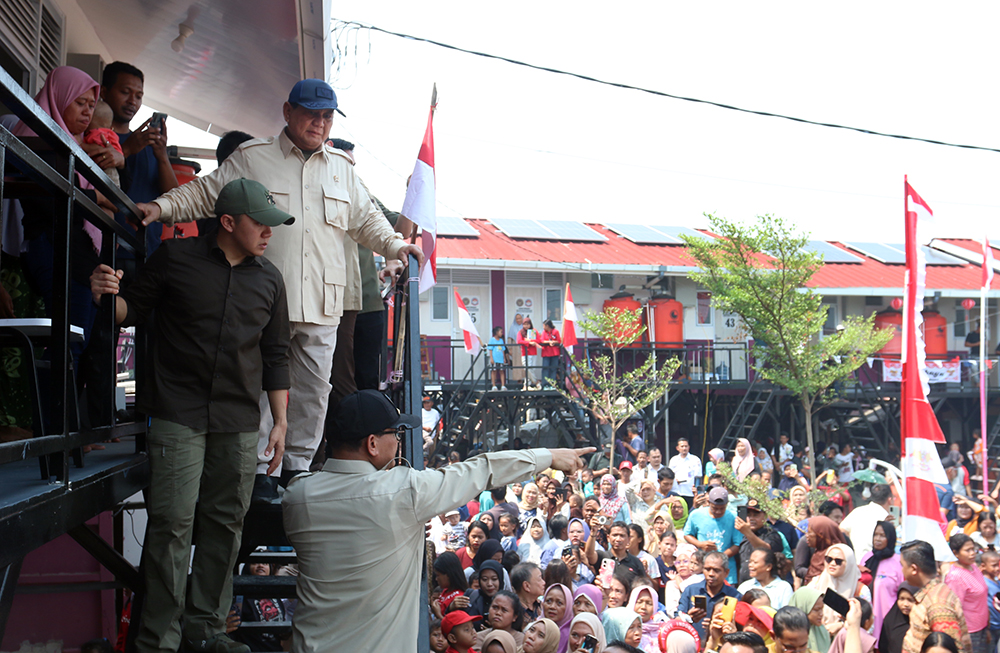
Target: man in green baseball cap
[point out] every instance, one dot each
(219, 322)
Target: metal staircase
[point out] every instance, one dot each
(749, 414)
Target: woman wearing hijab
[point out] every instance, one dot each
(588, 598)
(810, 554)
(528, 505)
(764, 462)
(810, 601)
(613, 504)
(897, 621)
(499, 641)
(583, 624)
(557, 605)
(715, 456)
(622, 624)
(886, 570)
(541, 636)
(533, 541)
(491, 581)
(68, 97)
(966, 521)
(678, 509)
(643, 602)
(644, 502)
(744, 460)
(842, 576)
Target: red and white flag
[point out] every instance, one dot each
(922, 467)
(420, 203)
(569, 322)
(469, 332)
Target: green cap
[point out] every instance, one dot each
(250, 197)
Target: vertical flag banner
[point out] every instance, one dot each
(922, 467)
(569, 322)
(984, 338)
(469, 332)
(420, 204)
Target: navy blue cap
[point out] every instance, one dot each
(364, 413)
(314, 94)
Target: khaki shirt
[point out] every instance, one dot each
(359, 538)
(329, 204)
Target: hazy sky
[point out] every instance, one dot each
(514, 142)
(521, 143)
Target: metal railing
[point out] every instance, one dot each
(47, 166)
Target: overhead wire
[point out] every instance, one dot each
(346, 25)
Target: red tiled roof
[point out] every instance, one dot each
(492, 244)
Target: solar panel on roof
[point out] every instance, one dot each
(880, 252)
(569, 230)
(448, 225)
(677, 232)
(642, 234)
(518, 228)
(831, 253)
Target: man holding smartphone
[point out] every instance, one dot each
(698, 600)
(757, 534)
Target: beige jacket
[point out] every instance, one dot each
(330, 205)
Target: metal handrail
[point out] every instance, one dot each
(17, 153)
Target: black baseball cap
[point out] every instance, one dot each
(364, 413)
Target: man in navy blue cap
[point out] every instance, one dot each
(318, 185)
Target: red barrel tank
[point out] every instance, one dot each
(627, 301)
(935, 334)
(890, 319)
(668, 322)
(185, 171)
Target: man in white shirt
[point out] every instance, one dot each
(784, 452)
(429, 417)
(845, 465)
(655, 461)
(859, 524)
(358, 526)
(687, 468)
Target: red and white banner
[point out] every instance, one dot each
(420, 204)
(569, 322)
(469, 332)
(936, 371)
(920, 429)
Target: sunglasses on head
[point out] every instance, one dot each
(834, 561)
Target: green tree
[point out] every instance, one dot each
(613, 395)
(761, 271)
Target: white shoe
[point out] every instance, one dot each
(493, 389)
(504, 388)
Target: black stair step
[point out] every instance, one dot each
(266, 626)
(277, 557)
(265, 587)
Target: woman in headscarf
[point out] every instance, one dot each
(810, 554)
(743, 461)
(643, 503)
(622, 624)
(715, 456)
(764, 462)
(583, 624)
(886, 571)
(678, 508)
(68, 97)
(841, 575)
(528, 505)
(491, 581)
(643, 602)
(897, 621)
(499, 641)
(541, 636)
(588, 598)
(533, 541)
(810, 601)
(557, 605)
(613, 504)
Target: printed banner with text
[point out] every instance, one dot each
(937, 371)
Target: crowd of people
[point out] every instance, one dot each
(617, 558)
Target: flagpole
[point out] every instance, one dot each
(982, 382)
(902, 358)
